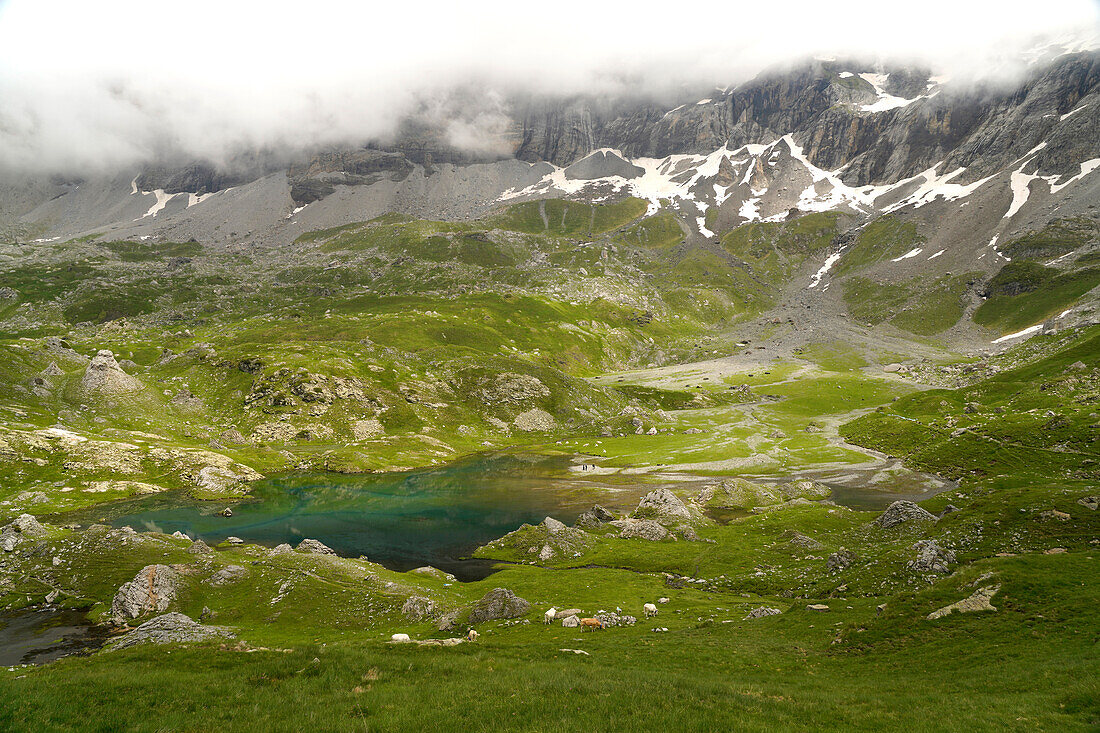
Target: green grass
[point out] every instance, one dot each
(1056, 239)
(1025, 293)
(884, 239)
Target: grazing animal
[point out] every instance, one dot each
(591, 623)
(400, 637)
(650, 610)
(472, 635)
(549, 616)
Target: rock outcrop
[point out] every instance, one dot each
(902, 512)
(104, 376)
(499, 603)
(979, 600)
(171, 628)
(152, 590)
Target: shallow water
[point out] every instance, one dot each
(37, 636)
(402, 520)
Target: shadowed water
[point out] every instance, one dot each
(36, 636)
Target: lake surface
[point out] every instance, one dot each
(37, 636)
(405, 520)
(438, 516)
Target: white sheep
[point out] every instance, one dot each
(650, 610)
(549, 616)
(400, 637)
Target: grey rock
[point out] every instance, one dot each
(227, 575)
(553, 526)
(644, 529)
(171, 628)
(901, 512)
(198, 547)
(152, 590)
(840, 560)
(418, 608)
(800, 541)
(314, 547)
(497, 604)
(104, 376)
(979, 600)
(761, 612)
(571, 622)
(1090, 502)
(820, 607)
(931, 558)
(610, 619)
(662, 505)
(28, 526)
(594, 517)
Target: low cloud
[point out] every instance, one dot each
(105, 85)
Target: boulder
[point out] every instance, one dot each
(553, 526)
(152, 590)
(571, 622)
(819, 607)
(761, 612)
(227, 575)
(977, 601)
(737, 493)
(643, 529)
(840, 559)
(171, 628)
(1055, 514)
(931, 558)
(497, 604)
(418, 608)
(567, 612)
(804, 489)
(901, 512)
(1090, 502)
(198, 547)
(663, 506)
(28, 526)
(104, 376)
(610, 619)
(800, 541)
(594, 517)
(314, 547)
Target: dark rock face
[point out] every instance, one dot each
(194, 178)
(601, 164)
(498, 603)
(318, 178)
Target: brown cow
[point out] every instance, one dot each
(591, 623)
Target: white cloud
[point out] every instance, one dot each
(113, 82)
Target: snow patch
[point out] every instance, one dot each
(1020, 334)
(936, 255)
(907, 255)
(829, 262)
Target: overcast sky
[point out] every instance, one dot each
(88, 84)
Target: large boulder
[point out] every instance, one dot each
(418, 608)
(797, 540)
(761, 612)
(901, 512)
(663, 506)
(26, 526)
(497, 604)
(104, 376)
(737, 493)
(594, 517)
(314, 547)
(643, 529)
(227, 575)
(152, 590)
(171, 628)
(931, 558)
(535, 420)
